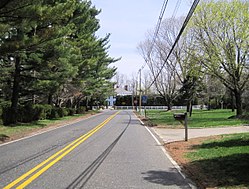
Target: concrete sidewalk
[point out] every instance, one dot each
(172, 135)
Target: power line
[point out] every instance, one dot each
(163, 9)
(176, 9)
(158, 25)
(190, 13)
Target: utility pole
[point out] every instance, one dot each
(140, 90)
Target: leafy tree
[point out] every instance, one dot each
(48, 47)
(220, 31)
(94, 72)
(27, 27)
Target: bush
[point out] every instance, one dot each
(53, 114)
(47, 111)
(38, 112)
(25, 114)
(81, 110)
(6, 112)
(28, 113)
(3, 114)
(41, 111)
(62, 112)
(71, 111)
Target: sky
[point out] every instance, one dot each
(128, 22)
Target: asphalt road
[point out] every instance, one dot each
(110, 150)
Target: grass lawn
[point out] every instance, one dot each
(199, 119)
(223, 163)
(24, 128)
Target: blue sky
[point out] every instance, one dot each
(128, 21)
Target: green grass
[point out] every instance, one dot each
(199, 119)
(23, 128)
(223, 162)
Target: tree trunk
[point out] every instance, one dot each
(169, 103)
(209, 103)
(189, 108)
(169, 107)
(50, 98)
(15, 92)
(238, 102)
(232, 101)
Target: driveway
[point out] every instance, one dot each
(172, 135)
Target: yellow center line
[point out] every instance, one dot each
(62, 153)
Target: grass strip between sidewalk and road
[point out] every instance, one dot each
(199, 119)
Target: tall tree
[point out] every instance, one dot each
(46, 46)
(27, 27)
(220, 29)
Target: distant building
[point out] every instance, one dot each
(122, 92)
(118, 92)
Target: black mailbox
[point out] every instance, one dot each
(180, 116)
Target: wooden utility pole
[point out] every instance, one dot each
(140, 90)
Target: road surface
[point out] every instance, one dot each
(110, 150)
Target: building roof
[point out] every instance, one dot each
(122, 92)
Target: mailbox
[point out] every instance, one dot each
(180, 116)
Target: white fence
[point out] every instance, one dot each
(196, 107)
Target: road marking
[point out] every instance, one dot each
(178, 168)
(56, 157)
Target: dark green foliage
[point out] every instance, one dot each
(41, 111)
(54, 114)
(46, 111)
(49, 51)
(6, 115)
(62, 112)
(81, 110)
(28, 113)
(71, 111)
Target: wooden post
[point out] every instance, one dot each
(186, 126)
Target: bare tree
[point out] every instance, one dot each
(173, 71)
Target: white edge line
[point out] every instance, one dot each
(52, 129)
(178, 168)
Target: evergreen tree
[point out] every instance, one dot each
(46, 46)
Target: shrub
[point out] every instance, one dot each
(53, 114)
(4, 105)
(25, 114)
(81, 110)
(71, 111)
(41, 111)
(6, 112)
(47, 111)
(62, 112)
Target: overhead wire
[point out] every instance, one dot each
(178, 3)
(190, 13)
(158, 25)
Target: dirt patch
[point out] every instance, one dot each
(178, 150)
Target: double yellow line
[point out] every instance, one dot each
(45, 165)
